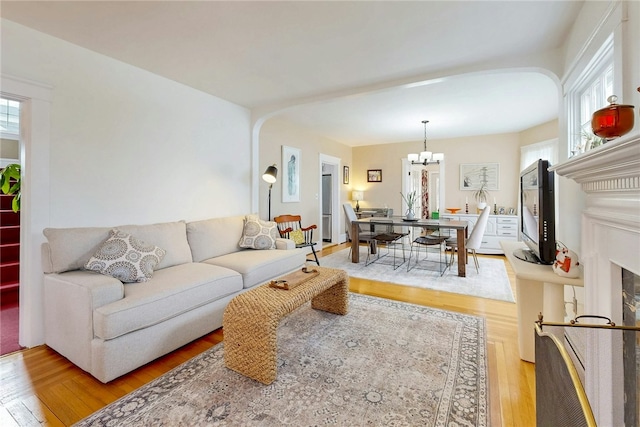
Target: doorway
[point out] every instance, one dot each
(329, 197)
(9, 231)
(420, 178)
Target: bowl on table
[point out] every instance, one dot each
(453, 210)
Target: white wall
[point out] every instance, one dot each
(275, 133)
(127, 146)
(596, 21)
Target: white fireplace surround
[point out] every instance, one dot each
(610, 177)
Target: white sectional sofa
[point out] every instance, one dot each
(109, 328)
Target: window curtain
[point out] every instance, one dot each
(545, 150)
(424, 182)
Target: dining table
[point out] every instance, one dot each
(461, 228)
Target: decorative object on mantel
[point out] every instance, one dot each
(10, 184)
(425, 157)
(612, 121)
(453, 210)
(566, 263)
(410, 200)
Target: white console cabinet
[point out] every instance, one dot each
(499, 227)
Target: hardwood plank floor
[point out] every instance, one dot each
(40, 387)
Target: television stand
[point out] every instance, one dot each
(538, 290)
(527, 255)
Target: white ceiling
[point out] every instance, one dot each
(258, 54)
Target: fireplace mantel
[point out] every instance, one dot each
(614, 166)
(610, 177)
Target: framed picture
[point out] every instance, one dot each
(473, 175)
(345, 175)
(290, 174)
(374, 175)
(512, 211)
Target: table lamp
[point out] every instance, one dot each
(357, 196)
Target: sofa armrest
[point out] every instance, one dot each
(285, 244)
(70, 300)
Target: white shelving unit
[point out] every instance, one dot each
(499, 227)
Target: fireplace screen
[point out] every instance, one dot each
(631, 347)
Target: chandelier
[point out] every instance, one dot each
(425, 157)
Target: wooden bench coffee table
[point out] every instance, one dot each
(251, 319)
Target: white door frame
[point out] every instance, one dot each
(406, 168)
(335, 196)
(35, 112)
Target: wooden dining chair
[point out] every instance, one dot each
(290, 227)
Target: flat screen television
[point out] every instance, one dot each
(537, 214)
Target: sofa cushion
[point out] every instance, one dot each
(171, 236)
(258, 267)
(214, 237)
(258, 234)
(71, 248)
(126, 258)
(171, 292)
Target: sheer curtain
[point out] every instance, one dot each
(545, 150)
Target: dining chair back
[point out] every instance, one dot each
(474, 241)
(364, 236)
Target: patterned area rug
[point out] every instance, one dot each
(491, 282)
(384, 363)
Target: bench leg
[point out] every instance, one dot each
(333, 300)
(251, 349)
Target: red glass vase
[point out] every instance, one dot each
(612, 121)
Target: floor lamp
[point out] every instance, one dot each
(270, 176)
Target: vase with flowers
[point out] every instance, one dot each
(481, 195)
(410, 200)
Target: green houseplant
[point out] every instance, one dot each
(10, 184)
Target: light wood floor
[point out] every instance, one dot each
(38, 386)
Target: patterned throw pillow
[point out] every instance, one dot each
(258, 234)
(297, 236)
(126, 258)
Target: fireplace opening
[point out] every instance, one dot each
(631, 347)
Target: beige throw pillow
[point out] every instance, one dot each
(258, 234)
(126, 258)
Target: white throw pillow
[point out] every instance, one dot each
(126, 258)
(258, 234)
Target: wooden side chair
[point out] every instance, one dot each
(290, 227)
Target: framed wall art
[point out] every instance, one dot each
(290, 174)
(474, 175)
(345, 175)
(374, 175)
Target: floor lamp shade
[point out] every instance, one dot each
(270, 176)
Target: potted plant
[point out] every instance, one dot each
(410, 200)
(10, 184)
(481, 195)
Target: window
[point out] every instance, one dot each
(546, 150)
(9, 118)
(589, 94)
